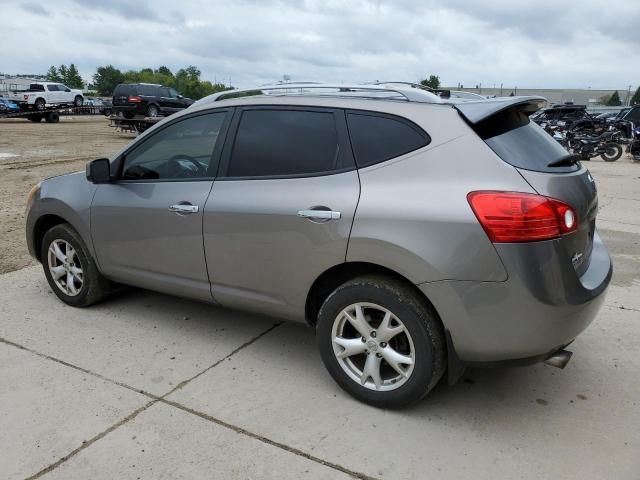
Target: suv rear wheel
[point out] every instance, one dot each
(153, 111)
(71, 272)
(381, 342)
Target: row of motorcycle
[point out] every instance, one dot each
(593, 139)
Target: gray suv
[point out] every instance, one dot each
(416, 236)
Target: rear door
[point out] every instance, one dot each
(147, 225)
(538, 158)
(281, 210)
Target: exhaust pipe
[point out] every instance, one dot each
(559, 359)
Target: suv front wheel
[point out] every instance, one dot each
(381, 342)
(71, 272)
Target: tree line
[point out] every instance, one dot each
(68, 75)
(186, 80)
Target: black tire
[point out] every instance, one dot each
(420, 321)
(153, 111)
(128, 115)
(40, 104)
(94, 286)
(52, 117)
(78, 101)
(613, 152)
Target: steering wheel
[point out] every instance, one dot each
(175, 169)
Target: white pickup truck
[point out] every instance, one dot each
(40, 95)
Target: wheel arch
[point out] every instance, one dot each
(43, 224)
(335, 276)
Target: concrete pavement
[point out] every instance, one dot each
(149, 386)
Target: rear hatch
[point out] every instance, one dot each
(122, 93)
(551, 171)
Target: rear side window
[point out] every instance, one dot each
(376, 138)
(521, 143)
(149, 90)
(284, 142)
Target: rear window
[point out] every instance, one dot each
(36, 87)
(521, 143)
(124, 90)
(376, 138)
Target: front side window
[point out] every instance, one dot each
(52, 88)
(378, 138)
(284, 142)
(182, 150)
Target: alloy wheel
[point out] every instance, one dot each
(373, 346)
(65, 267)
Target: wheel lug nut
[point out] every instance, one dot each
(363, 339)
(373, 334)
(378, 355)
(383, 344)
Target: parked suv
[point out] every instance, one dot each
(414, 235)
(147, 99)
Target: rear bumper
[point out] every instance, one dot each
(542, 306)
(138, 108)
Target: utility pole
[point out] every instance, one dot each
(501, 89)
(628, 100)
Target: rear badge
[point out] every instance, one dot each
(576, 259)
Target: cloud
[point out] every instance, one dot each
(34, 8)
(525, 44)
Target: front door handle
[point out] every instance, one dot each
(183, 209)
(321, 215)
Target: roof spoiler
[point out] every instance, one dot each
(476, 111)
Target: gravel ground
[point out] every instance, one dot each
(30, 152)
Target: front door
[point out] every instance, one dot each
(147, 226)
(281, 211)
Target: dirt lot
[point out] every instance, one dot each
(30, 152)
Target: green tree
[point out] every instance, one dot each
(614, 100)
(432, 82)
(106, 78)
(52, 74)
(73, 80)
(164, 71)
(635, 100)
(63, 73)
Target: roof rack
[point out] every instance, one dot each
(369, 91)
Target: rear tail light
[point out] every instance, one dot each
(522, 217)
(134, 99)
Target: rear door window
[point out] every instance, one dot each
(285, 143)
(377, 137)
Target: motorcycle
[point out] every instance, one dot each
(634, 147)
(588, 147)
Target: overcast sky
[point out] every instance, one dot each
(542, 43)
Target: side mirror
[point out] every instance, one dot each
(99, 171)
(67, 90)
(180, 96)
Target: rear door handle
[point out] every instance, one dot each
(183, 209)
(324, 215)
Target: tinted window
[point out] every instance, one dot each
(633, 115)
(284, 142)
(377, 138)
(36, 87)
(522, 143)
(181, 150)
(149, 90)
(124, 90)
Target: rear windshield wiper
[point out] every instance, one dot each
(565, 161)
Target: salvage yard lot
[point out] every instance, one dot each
(149, 386)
